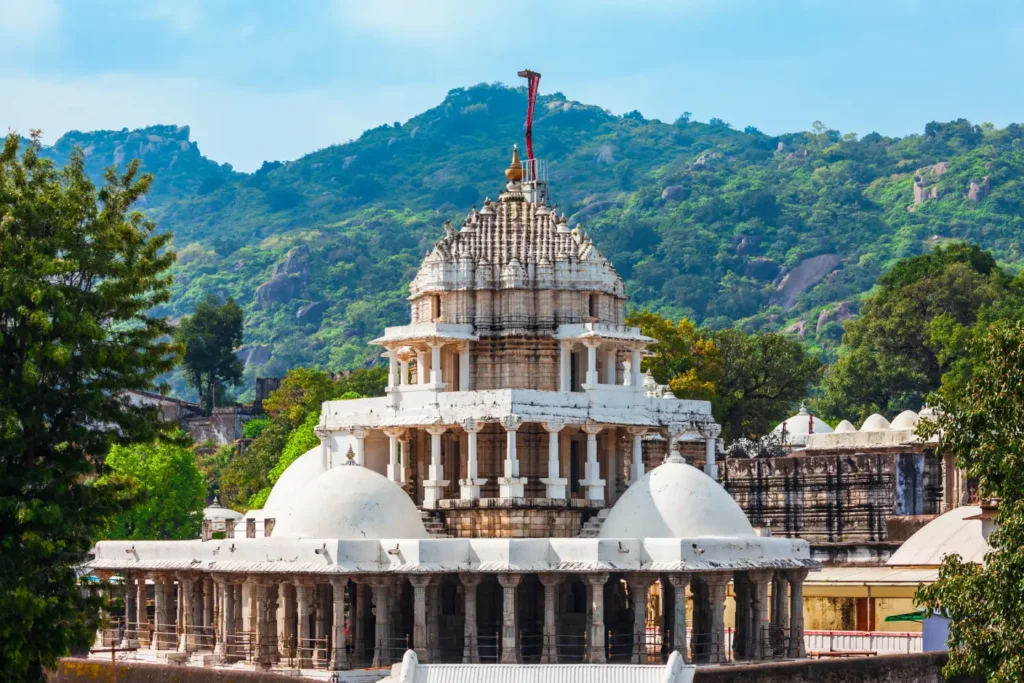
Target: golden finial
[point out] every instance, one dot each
(515, 170)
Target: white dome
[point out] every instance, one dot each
(293, 482)
(219, 512)
(675, 500)
(908, 419)
(875, 423)
(350, 501)
(949, 534)
(845, 427)
(801, 424)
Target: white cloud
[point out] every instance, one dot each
(25, 21)
(182, 16)
(239, 126)
(426, 23)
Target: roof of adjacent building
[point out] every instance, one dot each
(960, 531)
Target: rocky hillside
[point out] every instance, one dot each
(726, 226)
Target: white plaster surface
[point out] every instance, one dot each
(948, 534)
(293, 481)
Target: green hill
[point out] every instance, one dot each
(702, 220)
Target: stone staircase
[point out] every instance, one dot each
(592, 526)
(432, 521)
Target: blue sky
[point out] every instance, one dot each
(269, 79)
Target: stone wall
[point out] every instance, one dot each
(914, 668)
(502, 518)
(835, 497)
(97, 671)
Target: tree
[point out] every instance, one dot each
(172, 488)
(911, 333)
(685, 358)
(80, 273)
(979, 422)
(209, 338)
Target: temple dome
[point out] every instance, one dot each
(800, 424)
(293, 483)
(675, 500)
(875, 423)
(350, 502)
(845, 427)
(960, 531)
(908, 419)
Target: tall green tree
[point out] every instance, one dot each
(172, 488)
(209, 338)
(979, 421)
(80, 272)
(911, 332)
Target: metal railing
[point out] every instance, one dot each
(240, 647)
(875, 641)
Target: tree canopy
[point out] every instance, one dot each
(209, 338)
(173, 492)
(81, 272)
(979, 421)
(912, 331)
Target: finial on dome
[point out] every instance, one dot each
(515, 170)
(351, 456)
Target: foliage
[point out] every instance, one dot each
(211, 462)
(978, 421)
(302, 391)
(209, 338)
(252, 428)
(752, 380)
(81, 274)
(912, 331)
(172, 487)
(248, 472)
(701, 220)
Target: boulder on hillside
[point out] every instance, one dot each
(604, 155)
(280, 289)
(674, 193)
(807, 273)
(705, 159)
(799, 328)
(296, 262)
(311, 313)
(926, 181)
(978, 191)
(837, 313)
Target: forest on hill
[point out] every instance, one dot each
(727, 227)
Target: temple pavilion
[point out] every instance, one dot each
(520, 495)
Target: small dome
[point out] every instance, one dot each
(219, 512)
(800, 425)
(350, 501)
(292, 485)
(908, 419)
(949, 534)
(676, 500)
(844, 427)
(875, 423)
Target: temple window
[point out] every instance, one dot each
(435, 307)
(594, 306)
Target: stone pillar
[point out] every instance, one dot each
(272, 640)
(639, 586)
(285, 615)
(304, 595)
(549, 653)
(710, 468)
(591, 362)
(323, 619)
(339, 653)
(360, 449)
(636, 468)
(359, 637)
(141, 614)
(512, 485)
(469, 488)
(392, 368)
(433, 487)
(435, 364)
(760, 644)
(675, 432)
(780, 613)
(419, 623)
(403, 372)
(380, 586)
(405, 468)
(263, 631)
(592, 470)
(470, 635)
(796, 613)
(395, 585)
(129, 638)
(227, 619)
(717, 584)
(509, 623)
(239, 607)
(555, 484)
(610, 361)
(208, 599)
(564, 367)
(434, 618)
(394, 467)
(464, 370)
(421, 367)
(636, 375)
(186, 596)
(679, 583)
(596, 636)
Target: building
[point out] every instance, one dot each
(495, 505)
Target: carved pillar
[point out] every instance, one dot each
(509, 623)
(636, 468)
(141, 614)
(469, 488)
(380, 586)
(549, 653)
(434, 618)
(759, 641)
(464, 369)
(780, 613)
(262, 628)
(610, 361)
(403, 371)
(394, 467)
(591, 362)
(186, 596)
(421, 367)
(419, 622)
(636, 381)
(679, 583)
(470, 641)
(360, 449)
(639, 586)
(796, 613)
(711, 433)
(555, 483)
(227, 618)
(512, 485)
(717, 584)
(392, 355)
(130, 638)
(592, 470)
(208, 599)
(435, 364)
(564, 367)
(596, 636)
(362, 604)
(285, 616)
(433, 487)
(405, 468)
(303, 644)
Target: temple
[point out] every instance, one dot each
(520, 495)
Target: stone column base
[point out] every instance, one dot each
(433, 491)
(556, 488)
(469, 489)
(512, 487)
(595, 489)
